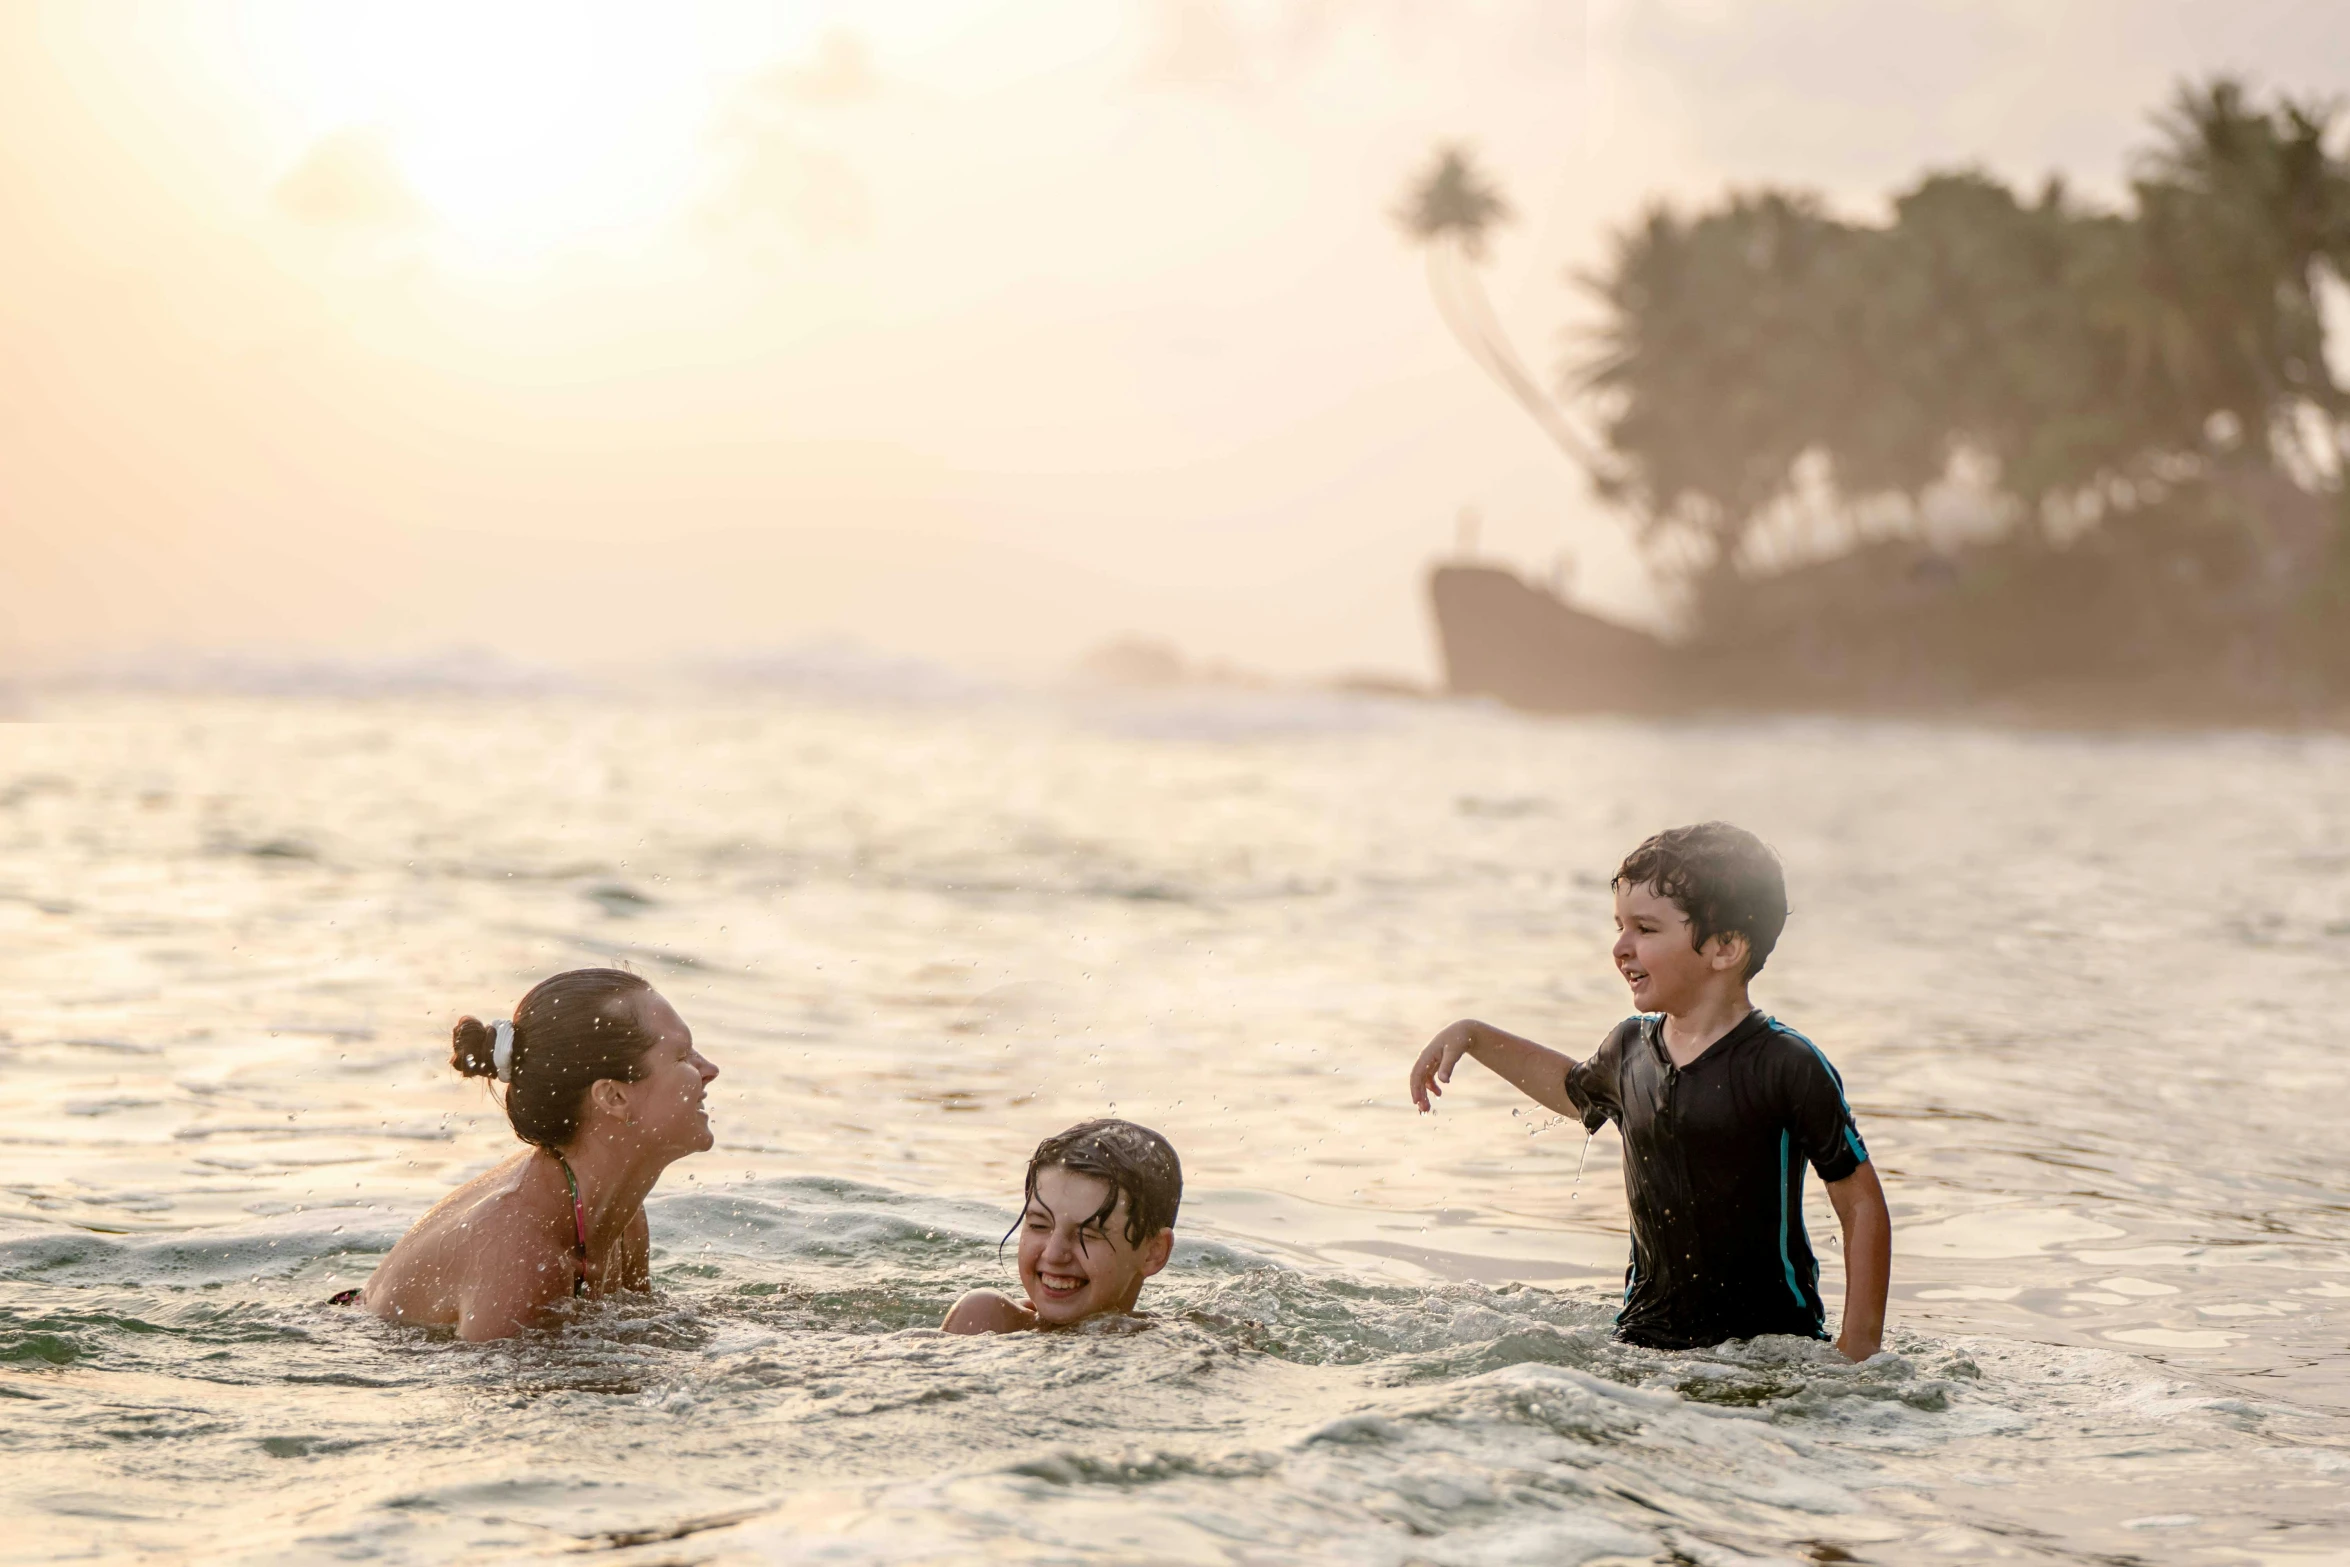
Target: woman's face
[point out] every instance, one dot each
(667, 1101)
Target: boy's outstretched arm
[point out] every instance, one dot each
(1868, 1260)
(1539, 1072)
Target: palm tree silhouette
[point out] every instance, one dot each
(2244, 213)
(1449, 209)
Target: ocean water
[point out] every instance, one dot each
(2087, 992)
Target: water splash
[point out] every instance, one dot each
(1545, 1124)
(787, 1370)
(913, 962)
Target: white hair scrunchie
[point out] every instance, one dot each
(502, 1053)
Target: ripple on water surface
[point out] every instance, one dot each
(2068, 981)
(784, 1396)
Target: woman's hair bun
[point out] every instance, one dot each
(473, 1048)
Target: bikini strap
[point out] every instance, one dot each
(579, 1284)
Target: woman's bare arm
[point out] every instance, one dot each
(501, 1301)
(513, 1274)
(1537, 1071)
(636, 1255)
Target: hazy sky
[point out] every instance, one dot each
(978, 331)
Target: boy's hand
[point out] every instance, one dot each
(1536, 1071)
(1434, 1068)
(1856, 1343)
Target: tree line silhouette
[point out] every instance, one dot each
(1998, 438)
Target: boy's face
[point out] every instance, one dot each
(1073, 1268)
(1653, 952)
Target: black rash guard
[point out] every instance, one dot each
(1713, 1168)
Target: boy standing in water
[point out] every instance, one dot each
(1099, 1219)
(1719, 1106)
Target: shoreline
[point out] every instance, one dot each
(1504, 639)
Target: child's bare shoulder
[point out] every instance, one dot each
(985, 1311)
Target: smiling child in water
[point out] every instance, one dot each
(1720, 1105)
(1099, 1219)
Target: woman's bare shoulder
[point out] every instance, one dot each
(985, 1311)
(487, 1223)
(487, 1196)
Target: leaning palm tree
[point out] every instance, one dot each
(2246, 218)
(1449, 209)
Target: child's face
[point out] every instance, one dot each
(1653, 952)
(1073, 1268)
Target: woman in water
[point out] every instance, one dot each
(603, 1081)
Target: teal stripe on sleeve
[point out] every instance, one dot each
(1851, 1137)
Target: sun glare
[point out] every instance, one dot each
(521, 127)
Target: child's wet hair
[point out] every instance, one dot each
(1139, 1164)
(571, 1031)
(1724, 878)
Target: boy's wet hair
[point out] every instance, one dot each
(1139, 1164)
(1724, 878)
